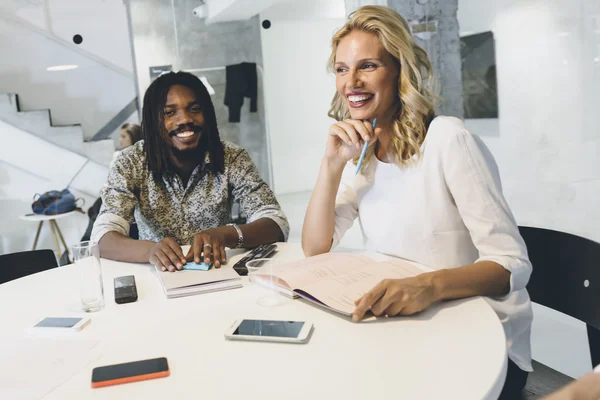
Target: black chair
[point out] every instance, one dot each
(93, 212)
(18, 265)
(566, 278)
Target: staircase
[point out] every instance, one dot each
(39, 123)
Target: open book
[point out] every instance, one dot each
(337, 280)
(188, 282)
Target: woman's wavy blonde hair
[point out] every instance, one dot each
(416, 81)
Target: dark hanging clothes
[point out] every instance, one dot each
(241, 82)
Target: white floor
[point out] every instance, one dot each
(558, 341)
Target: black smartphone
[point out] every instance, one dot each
(125, 289)
(262, 251)
(130, 372)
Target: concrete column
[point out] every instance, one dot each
(443, 47)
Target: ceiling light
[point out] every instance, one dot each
(62, 67)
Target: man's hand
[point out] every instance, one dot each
(209, 247)
(167, 255)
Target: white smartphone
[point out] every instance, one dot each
(270, 331)
(70, 323)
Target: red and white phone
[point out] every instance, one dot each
(130, 372)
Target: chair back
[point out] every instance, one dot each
(18, 265)
(566, 277)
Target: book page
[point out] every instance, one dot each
(313, 269)
(409, 268)
(340, 292)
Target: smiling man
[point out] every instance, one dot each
(178, 184)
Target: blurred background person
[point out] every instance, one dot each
(129, 135)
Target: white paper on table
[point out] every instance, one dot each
(31, 368)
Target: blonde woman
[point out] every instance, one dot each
(428, 191)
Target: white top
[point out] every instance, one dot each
(455, 350)
(42, 217)
(446, 211)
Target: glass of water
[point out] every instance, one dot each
(87, 260)
(260, 271)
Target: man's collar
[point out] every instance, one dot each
(206, 158)
(204, 165)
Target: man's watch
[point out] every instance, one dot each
(240, 241)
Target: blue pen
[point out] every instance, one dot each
(364, 150)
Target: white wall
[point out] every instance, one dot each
(353, 5)
(298, 88)
(548, 139)
(151, 52)
(101, 23)
(90, 95)
(30, 165)
(235, 10)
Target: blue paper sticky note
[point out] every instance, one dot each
(192, 266)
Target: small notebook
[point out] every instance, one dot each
(189, 282)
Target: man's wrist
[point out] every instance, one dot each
(238, 235)
(149, 245)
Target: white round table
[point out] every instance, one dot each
(454, 350)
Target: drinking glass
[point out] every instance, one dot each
(87, 261)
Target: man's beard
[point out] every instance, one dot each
(189, 154)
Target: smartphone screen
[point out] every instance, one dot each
(136, 368)
(253, 327)
(124, 281)
(52, 322)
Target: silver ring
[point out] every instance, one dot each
(207, 245)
